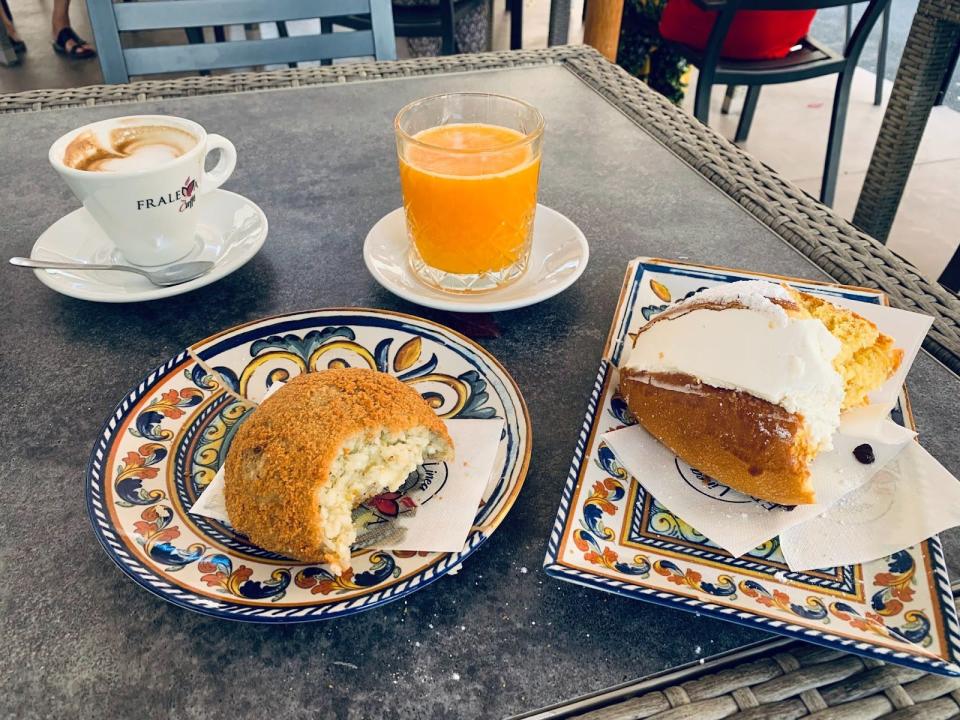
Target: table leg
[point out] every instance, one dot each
(882, 56)
(559, 30)
(602, 27)
(491, 9)
(926, 60)
(945, 86)
(951, 274)
(727, 99)
(448, 28)
(516, 23)
(746, 115)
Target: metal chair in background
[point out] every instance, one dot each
(415, 21)
(109, 20)
(925, 69)
(515, 8)
(808, 59)
(945, 87)
(881, 50)
(848, 30)
(558, 28)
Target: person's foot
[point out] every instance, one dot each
(18, 44)
(68, 43)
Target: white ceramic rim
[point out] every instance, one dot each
(55, 154)
(218, 272)
(485, 302)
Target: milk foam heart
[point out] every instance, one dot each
(127, 148)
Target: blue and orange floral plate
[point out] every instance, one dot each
(613, 535)
(168, 437)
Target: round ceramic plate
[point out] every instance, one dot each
(169, 435)
(558, 257)
(231, 230)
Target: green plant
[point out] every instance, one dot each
(645, 54)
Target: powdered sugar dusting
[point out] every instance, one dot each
(751, 294)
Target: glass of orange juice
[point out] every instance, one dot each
(469, 167)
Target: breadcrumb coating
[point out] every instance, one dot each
(282, 454)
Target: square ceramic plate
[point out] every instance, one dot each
(612, 535)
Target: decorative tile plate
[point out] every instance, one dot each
(168, 437)
(612, 535)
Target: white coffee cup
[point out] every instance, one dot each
(149, 211)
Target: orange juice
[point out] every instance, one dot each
(470, 192)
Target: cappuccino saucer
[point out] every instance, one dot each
(230, 232)
(558, 257)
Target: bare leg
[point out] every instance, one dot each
(8, 24)
(61, 16)
(61, 22)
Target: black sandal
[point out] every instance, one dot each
(81, 49)
(19, 46)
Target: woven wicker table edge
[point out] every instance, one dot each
(774, 679)
(833, 244)
(285, 78)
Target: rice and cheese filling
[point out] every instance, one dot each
(319, 446)
(368, 465)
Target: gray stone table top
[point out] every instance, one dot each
(80, 640)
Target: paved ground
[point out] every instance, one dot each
(829, 27)
(42, 68)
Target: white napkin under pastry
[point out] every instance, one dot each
(863, 512)
(443, 522)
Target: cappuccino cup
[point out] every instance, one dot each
(141, 178)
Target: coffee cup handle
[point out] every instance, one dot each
(225, 165)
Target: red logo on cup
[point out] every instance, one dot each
(188, 194)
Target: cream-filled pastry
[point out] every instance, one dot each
(747, 381)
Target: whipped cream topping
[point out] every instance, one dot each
(755, 349)
(751, 294)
